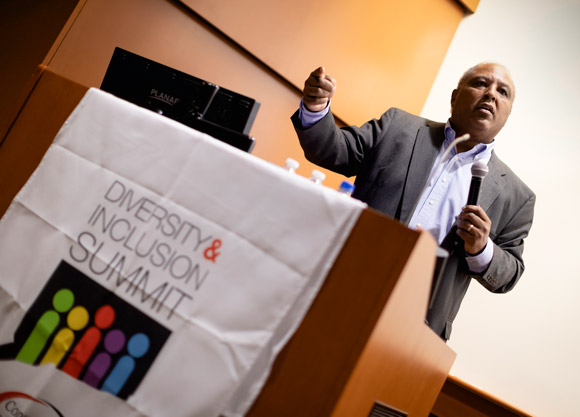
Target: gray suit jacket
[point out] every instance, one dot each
(392, 158)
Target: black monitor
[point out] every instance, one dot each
(209, 108)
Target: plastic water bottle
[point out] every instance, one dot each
(346, 188)
(317, 176)
(291, 165)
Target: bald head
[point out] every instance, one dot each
(467, 74)
(482, 102)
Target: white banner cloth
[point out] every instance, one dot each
(147, 269)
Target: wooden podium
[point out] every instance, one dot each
(362, 350)
(364, 342)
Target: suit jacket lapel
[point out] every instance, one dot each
(427, 145)
(492, 184)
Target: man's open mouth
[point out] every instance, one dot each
(486, 107)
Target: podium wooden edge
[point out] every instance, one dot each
(458, 398)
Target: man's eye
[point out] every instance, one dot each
(503, 92)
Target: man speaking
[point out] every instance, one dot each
(414, 170)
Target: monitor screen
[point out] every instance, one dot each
(204, 106)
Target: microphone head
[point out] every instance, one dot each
(479, 169)
(463, 138)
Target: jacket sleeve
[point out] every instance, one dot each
(507, 265)
(341, 150)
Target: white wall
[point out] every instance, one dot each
(524, 346)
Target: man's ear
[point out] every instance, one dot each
(453, 97)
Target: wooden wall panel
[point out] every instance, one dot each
(28, 28)
(382, 53)
(168, 32)
(41, 116)
(470, 5)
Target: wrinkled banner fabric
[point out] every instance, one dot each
(147, 269)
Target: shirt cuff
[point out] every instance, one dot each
(481, 261)
(309, 118)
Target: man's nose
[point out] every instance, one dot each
(491, 93)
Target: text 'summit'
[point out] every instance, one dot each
(158, 256)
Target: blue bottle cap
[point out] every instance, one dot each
(346, 187)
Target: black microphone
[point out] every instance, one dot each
(478, 172)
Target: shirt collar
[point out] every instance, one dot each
(479, 151)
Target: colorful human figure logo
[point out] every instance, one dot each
(89, 333)
(101, 364)
(77, 319)
(104, 318)
(62, 302)
(137, 347)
